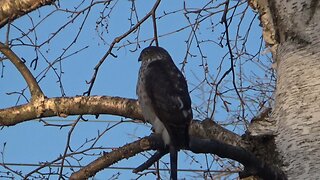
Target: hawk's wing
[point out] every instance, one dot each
(167, 89)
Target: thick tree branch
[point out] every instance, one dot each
(66, 106)
(208, 129)
(35, 90)
(253, 166)
(95, 105)
(13, 9)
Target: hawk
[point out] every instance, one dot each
(164, 100)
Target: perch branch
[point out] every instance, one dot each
(253, 166)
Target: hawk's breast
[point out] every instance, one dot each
(146, 107)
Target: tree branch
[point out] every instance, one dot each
(35, 90)
(66, 106)
(126, 151)
(206, 136)
(13, 9)
(253, 166)
(95, 105)
(117, 40)
(82, 105)
(154, 158)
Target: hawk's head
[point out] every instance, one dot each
(153, 53)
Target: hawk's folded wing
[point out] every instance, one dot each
(167, 89)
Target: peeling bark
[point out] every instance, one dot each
(269, 27)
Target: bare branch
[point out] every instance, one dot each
(155, 30)
(35, 90)
(117, 40)
(13, 9)
(126, 151)
(253, 166)
(153, 159)
(95, 105)
(66, 106)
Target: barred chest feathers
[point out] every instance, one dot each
(146, 107)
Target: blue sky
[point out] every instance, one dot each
(32, 142)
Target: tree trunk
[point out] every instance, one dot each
(297, 111)
(295, 47)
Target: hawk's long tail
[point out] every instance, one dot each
(173, 162)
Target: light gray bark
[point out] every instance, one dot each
(297, 111)
(291, 30)
(297, 107)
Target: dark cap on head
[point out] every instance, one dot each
(153, 53)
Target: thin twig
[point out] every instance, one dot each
(115, 41)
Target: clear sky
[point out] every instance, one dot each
(32, 142)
